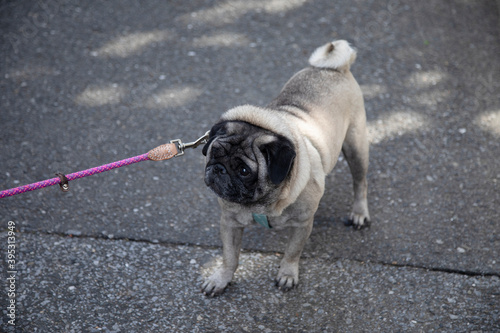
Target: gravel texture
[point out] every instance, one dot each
(88, 83)
(73, 284)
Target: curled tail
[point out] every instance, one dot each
(338, 55)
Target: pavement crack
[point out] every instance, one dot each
(470, 273)
(439, 269)
(116, 238)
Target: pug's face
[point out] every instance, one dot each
(246, 164)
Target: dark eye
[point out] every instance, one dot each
(244, 171)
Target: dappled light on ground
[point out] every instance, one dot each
(95, 95)
(490, 122)
(131, 44)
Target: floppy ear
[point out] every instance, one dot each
(217, 129)
(279, 156)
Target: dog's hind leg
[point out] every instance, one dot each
(355, 149)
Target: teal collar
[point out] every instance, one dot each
(262, 220)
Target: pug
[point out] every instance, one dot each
(268, 164)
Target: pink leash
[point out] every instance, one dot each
(160, 153)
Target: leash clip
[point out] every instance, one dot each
(182, 146)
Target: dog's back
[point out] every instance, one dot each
(324, 98)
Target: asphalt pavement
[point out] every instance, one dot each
(88, 83)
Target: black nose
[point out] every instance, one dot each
(212, 171)
(219, 169)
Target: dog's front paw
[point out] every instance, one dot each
(288, 277)
(216, 284)
(358, 221)
(359, 218)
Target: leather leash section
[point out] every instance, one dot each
(163, 152)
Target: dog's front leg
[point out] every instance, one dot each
(231, 245)
(288, 275)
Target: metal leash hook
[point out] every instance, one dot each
(182, 146)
